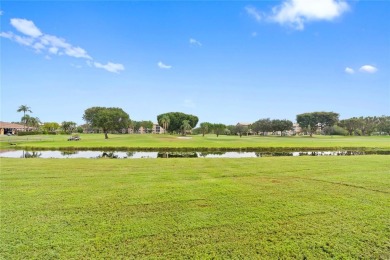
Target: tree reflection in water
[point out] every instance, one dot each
(27, 154)
(111, 155)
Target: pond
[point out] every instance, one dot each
(170, 154)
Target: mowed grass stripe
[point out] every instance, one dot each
(313, 207)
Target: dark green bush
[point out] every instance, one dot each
(29, 133)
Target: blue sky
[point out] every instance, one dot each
(224, 61)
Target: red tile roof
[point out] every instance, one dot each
(10, 125)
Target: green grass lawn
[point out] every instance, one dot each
(264, 208)
(209, 141)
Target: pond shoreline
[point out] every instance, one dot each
(94, 154)
(368, 150)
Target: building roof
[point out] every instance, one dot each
(244, 123)
(10, 125)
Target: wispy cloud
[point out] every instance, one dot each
(363, 69)
(50, 44)
(194, 42)
(26, 27)
(161, 65)
(59, 46)
(1, 12)
(111, 67)
(254, 13)
(296, 13)
(349, 70)
(368, 69)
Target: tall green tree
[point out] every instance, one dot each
(31, 121)
(231, 129)
(35, 122)
(316, 120)
(164, 122)
(107, 118)
(205, 127)
(368, 124)
(176, 120)
(262, 126)
(51, 126)
(351, 124)
(241, 129)
(146, 125)
(24, 109)
(384, 124)
(219, 128)
(68, 126)
(281, 125)
(186, 126)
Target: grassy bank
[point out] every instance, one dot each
(149, 141)
(316, 207)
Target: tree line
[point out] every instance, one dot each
(29, 122)
(113, 119)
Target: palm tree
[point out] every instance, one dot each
(164, 121)
(34, 122)
(205, 127)
(26, 119)
(24, 109)
(186, 126)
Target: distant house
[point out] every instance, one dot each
(296, 129)
(156, 129)
(11, 128)
(248, 125)
(142, 130)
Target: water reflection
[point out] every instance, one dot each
(172, 154)
(67, 153)
(177, 155)
(111, 155)
(27, 154)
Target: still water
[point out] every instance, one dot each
(139, 155)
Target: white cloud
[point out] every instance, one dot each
(27, 41)
(349, 70)
(195, 42)
(7, 35)
(26, 27)
(254, 13)
(77, 52)
(52, 45)
(254, 34)
(295, 13)
(53, 50)
(163, 66)
(38, 46)
(368, 69)
(59, 46)
(1, 12)
(111, 67)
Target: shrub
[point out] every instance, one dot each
(335, 130)
(29, 133)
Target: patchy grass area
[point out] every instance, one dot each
(209, 141)
(300, 207)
